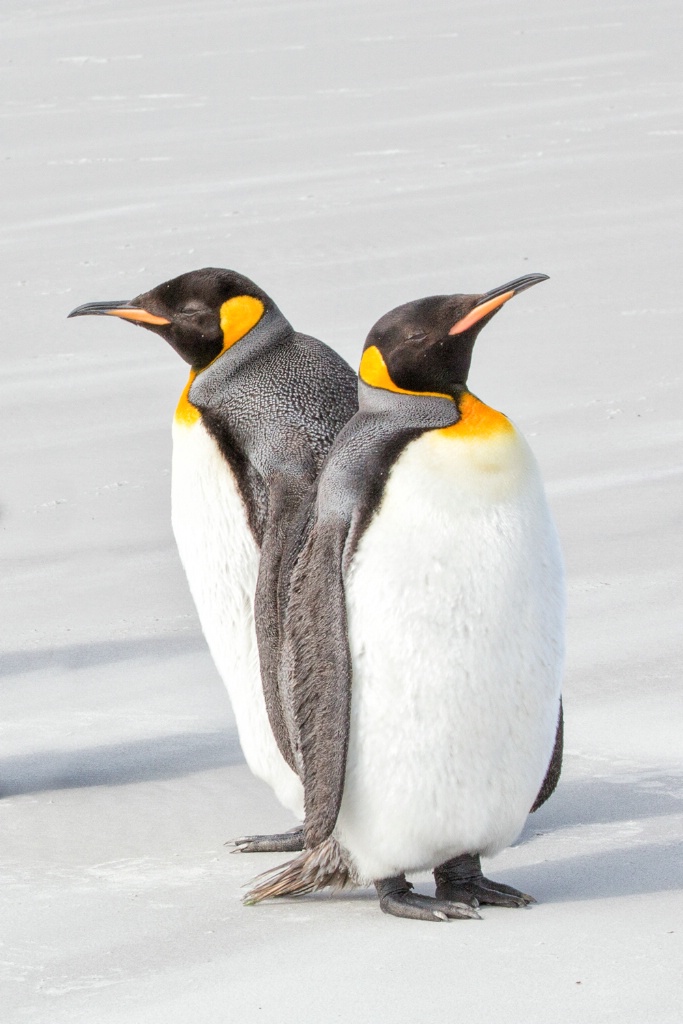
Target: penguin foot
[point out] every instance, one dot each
(461, 879)
(396, 898)
(281, 842)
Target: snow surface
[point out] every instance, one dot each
(349, 156)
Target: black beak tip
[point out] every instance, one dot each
(522, 283)
(98, 308)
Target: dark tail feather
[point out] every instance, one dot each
(324, 867)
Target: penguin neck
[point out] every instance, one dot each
(186, 414)
(407, 410)
(464, 416)
(273, 329)
(476, 420)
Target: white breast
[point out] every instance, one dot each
(221, 558)
(455, 615)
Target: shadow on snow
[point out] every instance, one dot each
(86, 655)
(119, 764)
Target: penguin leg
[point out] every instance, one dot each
(460, 879)
(396, 897)
(281, 842)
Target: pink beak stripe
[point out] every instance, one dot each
(478, 312)
(141, 316)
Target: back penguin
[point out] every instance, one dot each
(260, 410)
(422, 597)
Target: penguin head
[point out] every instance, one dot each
(200, 314)
(425, 347)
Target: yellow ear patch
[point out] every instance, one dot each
(373, 371)
(238, 316)
(477, 421)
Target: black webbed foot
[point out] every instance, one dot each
(281, 842)
(461, 879)
(396, 897)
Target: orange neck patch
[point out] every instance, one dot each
(373, 371)
(477, 421)
(186, 413)
(237, 317)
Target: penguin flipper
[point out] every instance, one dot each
(552, 776)
(316, 668)
(286, 492)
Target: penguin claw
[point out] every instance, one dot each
(397, 898)
(281, 842)
(489, 892)
(461, 879)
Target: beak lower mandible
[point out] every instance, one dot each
(123, 309)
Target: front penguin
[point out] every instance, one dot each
(423, 617)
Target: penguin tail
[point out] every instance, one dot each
(323, 867)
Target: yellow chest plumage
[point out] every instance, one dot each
(186, 414)
(483, 449)
(478, 422)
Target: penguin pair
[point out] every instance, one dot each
(258, 416)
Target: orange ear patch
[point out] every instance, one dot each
(373, 371)
(238, 316)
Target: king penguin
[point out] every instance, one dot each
(260, 410)
(422, 594)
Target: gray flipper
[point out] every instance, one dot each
(554, 768)
(285, 496)
(316, 672)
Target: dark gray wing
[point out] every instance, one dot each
(315, 668)
(554, 768)
(286, 492)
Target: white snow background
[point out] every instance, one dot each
(348, 156)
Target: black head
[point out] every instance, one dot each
(199, 314)
(425, 347)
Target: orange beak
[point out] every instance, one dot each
(493, 300)
(122, 309)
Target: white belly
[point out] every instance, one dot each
(221, 559)
(455, 604)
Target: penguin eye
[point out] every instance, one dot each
(417, 336)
